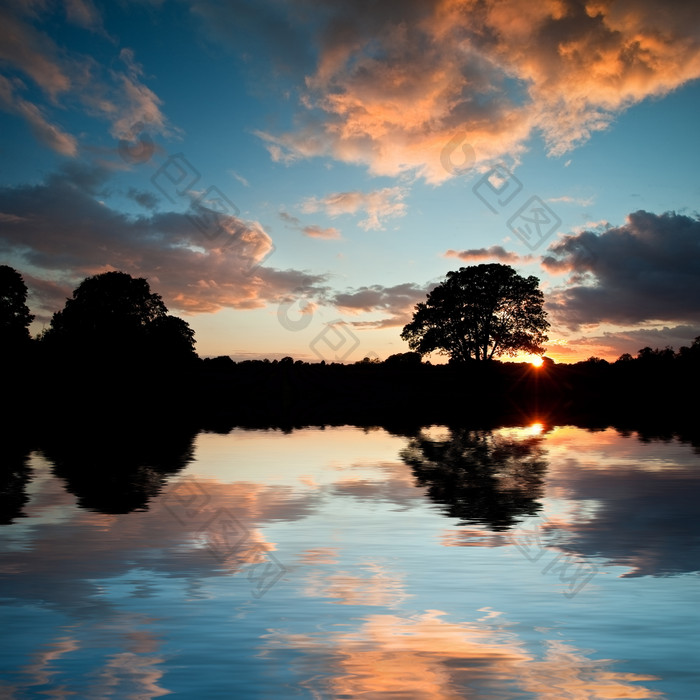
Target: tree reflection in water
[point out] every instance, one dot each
(482, 477)
(15, 474)
(119, 468)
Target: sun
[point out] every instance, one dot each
(537, 362)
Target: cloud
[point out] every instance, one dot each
(44, 131)
(32, 51)
(644, 271)
(318, 232)
(397, 301)
(610, 345)
(240, 178)
(495, 252)
(68, 79)
(289, 219)
(146, 199)
(62, 224)
(277, 34)
(395, 82)
(312, 230)
(84, 14)
(566, 199)
(378, 205)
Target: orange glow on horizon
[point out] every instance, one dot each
(537, 362)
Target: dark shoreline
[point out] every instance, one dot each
(116, 438)
(213, 394)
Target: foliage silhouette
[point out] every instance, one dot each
(403, 359)
(113, 317)
(482, 477)
(480, 312)
(14, 313)
(114, 349)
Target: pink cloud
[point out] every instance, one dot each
(377, 205)
(318, 232)
(495, 252)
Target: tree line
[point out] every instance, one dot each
(111, 317)
(115, 337)
(481, 313)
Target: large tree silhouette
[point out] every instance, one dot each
(115, 317)
(480, 312)
(14, 313)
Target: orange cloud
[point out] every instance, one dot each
(392, 88)
(314, 231)
(495, 252)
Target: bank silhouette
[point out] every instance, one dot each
(113, 393)
(114, 353)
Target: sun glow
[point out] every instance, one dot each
(537, 362)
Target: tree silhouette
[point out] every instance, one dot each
(691, 353)
(115, 317)
(481, 477)
(480, 312)
(14, 313)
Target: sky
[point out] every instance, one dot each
(294, 177)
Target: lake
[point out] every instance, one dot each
(344, 562)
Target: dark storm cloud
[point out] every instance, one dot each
(647, 270)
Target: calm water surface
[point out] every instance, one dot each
(347, 562)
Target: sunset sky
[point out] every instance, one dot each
(293, 177)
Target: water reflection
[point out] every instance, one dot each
(630, 500)
(14, 477)
(114, 468)
(483, 477)
(133, 594)
(178, 537)
(133, 673)
(426, 656)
